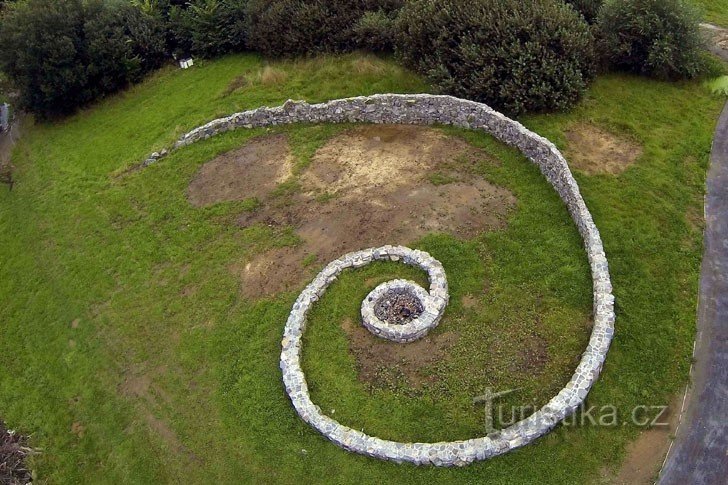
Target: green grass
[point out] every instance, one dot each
(146, 278)
(716, 11)
(719, 85)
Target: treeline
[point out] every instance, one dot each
(516, 55)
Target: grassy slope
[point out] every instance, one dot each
(716, 11)
(80, 242)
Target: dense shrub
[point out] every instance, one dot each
(62, 54)
(588, 8)
(294, 27)
(375, 31)
(659, 38)
(209, 28)
(516, 56)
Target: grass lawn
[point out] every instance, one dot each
(716, 11)
(130, 356)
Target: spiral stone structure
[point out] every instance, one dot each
(424, 109)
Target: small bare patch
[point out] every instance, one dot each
(189, 291)
(75, 323)
(378, 176)
(594, 150)
(646, 454)
(375, 356)
(532, 356)
(274, 271)
(469, 301)
(252, 171)
(78, 429)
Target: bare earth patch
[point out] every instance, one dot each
(279, 269)
(376, 357)
(646, 454)
(251, 171)
(532, 356)
(370, 186)
(595, 151)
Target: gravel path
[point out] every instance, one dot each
(717, 38)
(699, 454)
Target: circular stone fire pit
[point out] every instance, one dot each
(401, 311)
(398, 306)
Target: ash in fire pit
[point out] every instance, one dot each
(398, 306)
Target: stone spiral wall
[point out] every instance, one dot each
(422, 109)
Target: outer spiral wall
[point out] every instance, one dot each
(423, 109)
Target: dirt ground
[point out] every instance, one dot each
(377, 360)
(369, 186)
(595, 151)
(646, 454)
(251, 171)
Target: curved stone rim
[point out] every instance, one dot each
(402, 333)
(425, 109)
(434, 301)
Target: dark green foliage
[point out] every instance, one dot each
(658, 38)
(294, 27)
(62, 54)
(375, 31)
(588, 8)
(516, 56)
(209, 28)
(147, 34)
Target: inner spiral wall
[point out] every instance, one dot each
(424, 109)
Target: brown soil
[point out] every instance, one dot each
(280, 269)
(469, 301)
(375, 356)
(375, 180)
(646, 454)
(78, 429)
(252, 171)
(532, 356)
(594, 150)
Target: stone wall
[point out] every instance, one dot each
(423, 109)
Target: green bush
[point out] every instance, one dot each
(62, 54)
(588, 8)
(375, 31)
(147, 34)
(295, 27)
(657, 38)
(209, 28)
(516, 56)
